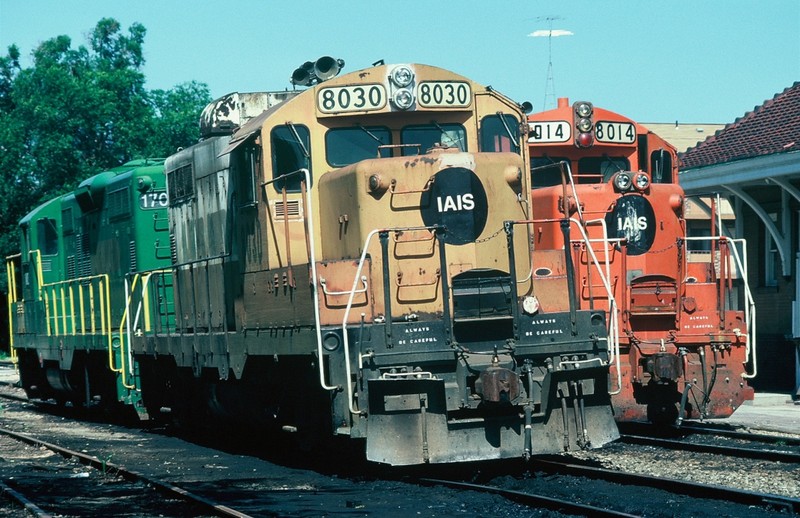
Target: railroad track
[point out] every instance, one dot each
(734, 434)
(104, 467)
(729, 451)
(682, 487)
(533, 500)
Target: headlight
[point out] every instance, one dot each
(583, 109)
(403, 99)
(642, 181)
(584, 125)
(622, 181)
(402, 76)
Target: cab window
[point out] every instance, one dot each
(429, 135)
(661, 166)
(47, 236)
(546, 171)
(500, 133)
(291, 147)
(247, 163)
(345, 146)
(600, 169)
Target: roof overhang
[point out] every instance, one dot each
(740, 172)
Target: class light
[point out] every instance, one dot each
(403, 99)
(622, 181)
(642, 182)
(402, 75)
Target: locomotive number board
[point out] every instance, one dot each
(549, 131)
(373, 97)
(343, 99)
(615, 132)
(444, 94)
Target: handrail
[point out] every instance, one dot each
(750, 310)
(313, 262)
(353, 290)
(322, 283)
(613, 309)
(11, 275)
(126, 325)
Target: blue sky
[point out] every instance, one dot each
(694, 61)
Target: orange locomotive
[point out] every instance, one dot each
(682, 345)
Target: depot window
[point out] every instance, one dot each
(291, 152)
(500, 133)
(421, 138)
(345, 146)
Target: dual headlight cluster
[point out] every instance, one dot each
(583, 123)
(402, 78)
(626, 181)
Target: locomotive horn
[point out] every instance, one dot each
(303, 75)
(326, 67)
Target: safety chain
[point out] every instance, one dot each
(490, 237)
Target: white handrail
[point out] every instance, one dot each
(613, 310)
(750, 310)
(353, 291)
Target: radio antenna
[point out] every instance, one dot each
(550, 86)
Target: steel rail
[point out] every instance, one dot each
(759, 437)
(133, 476)
(530, 499)
(672, 485)
(16, 496)
(730, 451)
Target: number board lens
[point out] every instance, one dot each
(615, 132)
(344, 99)
(549, 131)
(444, 94)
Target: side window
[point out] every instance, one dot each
(48, 236)
(291, 146)
(247, 162)
(545, 171)
(500, 133)
(661, 166)
(345, 146)
(180, 184)
(427, 136)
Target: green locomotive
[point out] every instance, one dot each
(68, 305)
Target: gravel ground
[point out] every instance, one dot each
(281, 485)
(751, 475)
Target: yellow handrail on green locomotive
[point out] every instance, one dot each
(11, 275)
(144, 304)
(122, 325)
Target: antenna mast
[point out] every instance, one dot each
(550, 85)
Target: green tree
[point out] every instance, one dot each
(78, 111)
(171, 127)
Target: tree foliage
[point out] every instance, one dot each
(78, 111)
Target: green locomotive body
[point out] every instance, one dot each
(69, 304)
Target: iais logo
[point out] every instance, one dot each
(634, 220)
(457, 202)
